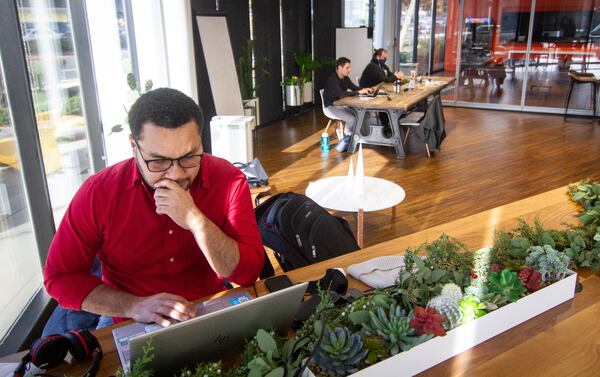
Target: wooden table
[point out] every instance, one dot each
(394, 105)
(563, 341)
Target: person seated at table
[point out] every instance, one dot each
(338, 86)
(168, 225)
(377, 72)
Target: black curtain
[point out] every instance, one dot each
(265, 15)
(327, 16)
(296, 32)
(239, 31)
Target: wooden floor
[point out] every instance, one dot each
(488, 159)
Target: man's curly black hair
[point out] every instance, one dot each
(164, 107)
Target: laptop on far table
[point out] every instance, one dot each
(215, 335)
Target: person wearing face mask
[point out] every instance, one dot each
(168, 225)
(377, 71)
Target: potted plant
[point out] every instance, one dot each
(245, 70)
(307, 66)
(293, 90)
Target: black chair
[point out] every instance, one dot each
(578, 78)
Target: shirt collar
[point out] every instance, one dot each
(202, 179)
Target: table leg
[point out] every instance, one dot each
(360, 118)
(359, 226)
(397, 134)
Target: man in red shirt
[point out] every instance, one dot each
(168, 225)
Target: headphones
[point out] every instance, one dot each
(49, 351)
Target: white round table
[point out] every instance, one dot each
(338, 193)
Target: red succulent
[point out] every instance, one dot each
(531, 279)
(428, 321)
(495, 267)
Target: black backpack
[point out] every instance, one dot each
(300, 232)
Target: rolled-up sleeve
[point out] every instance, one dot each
(67, 276)
(240, 224)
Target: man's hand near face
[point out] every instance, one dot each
(172, 200)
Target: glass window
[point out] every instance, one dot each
(55, 87)
(356, 13)
(439, 45)
(407, 30)
(20, 272)
(111, 50)
(424, 35)
(565, 37)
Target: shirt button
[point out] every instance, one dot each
(171, 260)
(170, 231)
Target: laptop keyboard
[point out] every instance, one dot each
(203, 308)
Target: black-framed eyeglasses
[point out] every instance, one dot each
(163, 164)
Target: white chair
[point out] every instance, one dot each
(332, 118)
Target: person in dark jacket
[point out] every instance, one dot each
(377, 72)
(338, 86)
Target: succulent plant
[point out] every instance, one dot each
(394, 327)
(340, 352)
(471, 308)
(531, 278)
(550, 263)
(428, 321)
(495, 267)
(449, 309)
(505, 284)
(377, 348)
(452, 292)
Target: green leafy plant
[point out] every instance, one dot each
(471, 308)
(446, 261)
(132, 84)
(211, 369)
(276, 362)
(394, 327)
(291, 81)
(340, 352)
(506, 284)
(246, 68)
(140, 367)
(511, 248)
(307, 65)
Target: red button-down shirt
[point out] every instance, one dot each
(113, 216)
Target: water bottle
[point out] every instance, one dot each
(397, 86)
(325, 142)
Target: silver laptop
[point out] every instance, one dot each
(215, 335)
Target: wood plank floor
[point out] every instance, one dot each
(488, 159)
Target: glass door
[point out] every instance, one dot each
(493, 54)
(565, 37)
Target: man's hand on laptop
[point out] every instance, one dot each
(365, 91)
(174, 201)
(159, 308)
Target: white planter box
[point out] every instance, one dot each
(460, 339)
